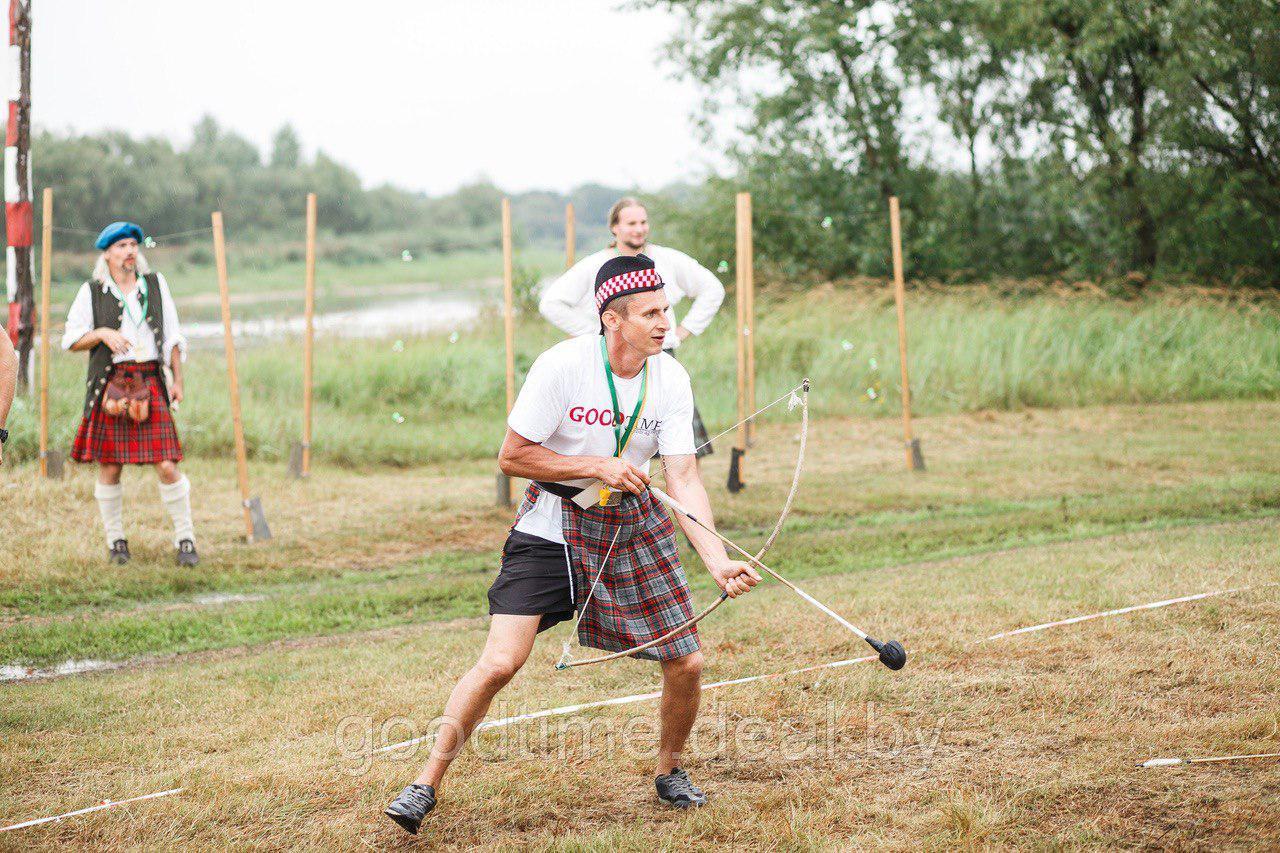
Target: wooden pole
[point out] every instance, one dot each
(914, 459)
(46, 271)
(741, 273)
(242, 460)
(308, 341)
(570, 238)
(508, 319)
(20, 255)
(749, 328)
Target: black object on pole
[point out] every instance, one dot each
(917, 455)
(892, 654)
(735, 469)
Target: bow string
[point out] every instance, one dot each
(798, 396)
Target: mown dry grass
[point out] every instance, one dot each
(51, 553)
(1035, 736)
(1027, 741)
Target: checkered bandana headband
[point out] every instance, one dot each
(624, 283)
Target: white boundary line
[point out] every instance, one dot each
(627, 700)
(1152, 606)
(107, 804)
(1174, 762)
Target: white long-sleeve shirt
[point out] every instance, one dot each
(133, 325)
(569, 301)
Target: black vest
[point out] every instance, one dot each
(108, 310)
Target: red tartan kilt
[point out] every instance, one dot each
(119, 440)
(643, 594)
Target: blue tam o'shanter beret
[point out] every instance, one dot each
(117, 231)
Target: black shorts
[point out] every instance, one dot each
(534, 581)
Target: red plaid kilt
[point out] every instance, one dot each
(102, 438)
(642, 593)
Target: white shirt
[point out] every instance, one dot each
(565, 406)
(133, 322)
(569, 301)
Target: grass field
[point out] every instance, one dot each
(262, 683)
(971, 350)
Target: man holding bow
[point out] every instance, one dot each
(588, 536)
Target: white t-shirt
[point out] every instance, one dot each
(569, 302)
(565, 406)
(133, 323)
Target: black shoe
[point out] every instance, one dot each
(187, 555)
(412, 806)
(119, 553)
(675, 789)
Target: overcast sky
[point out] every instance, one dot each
(426, 94)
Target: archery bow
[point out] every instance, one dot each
(803, 401)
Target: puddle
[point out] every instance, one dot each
(69, 667)
(226, 598)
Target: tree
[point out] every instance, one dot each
(286, 149)
(223, 148)
(1226, 86)
(831, 81)
(1094, 74)
(342, 202)
(942, 45)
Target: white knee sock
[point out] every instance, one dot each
(176, 498)
(111, 505)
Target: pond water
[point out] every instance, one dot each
(418, 315)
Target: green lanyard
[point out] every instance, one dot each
(124, 302)
(622, 437)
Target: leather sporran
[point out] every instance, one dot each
(127, 395)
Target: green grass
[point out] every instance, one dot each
(453, 586)
(968, 352)
(355, 601)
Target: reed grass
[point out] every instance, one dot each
(441, 397)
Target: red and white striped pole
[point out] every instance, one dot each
(19, 225)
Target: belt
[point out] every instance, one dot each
(560, 490)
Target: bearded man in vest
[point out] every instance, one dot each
(124, 317)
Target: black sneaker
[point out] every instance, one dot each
(187, 555)
(412, 806)
(675, 789)
(119, 553)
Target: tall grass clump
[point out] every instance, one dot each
(438, 398)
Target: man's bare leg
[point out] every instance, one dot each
(510, 641)
(681, 693)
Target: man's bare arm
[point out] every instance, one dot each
(175, 367)
(685, 485)
(8, 379)
(520, 457)
(111, 337)
(8, 375)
